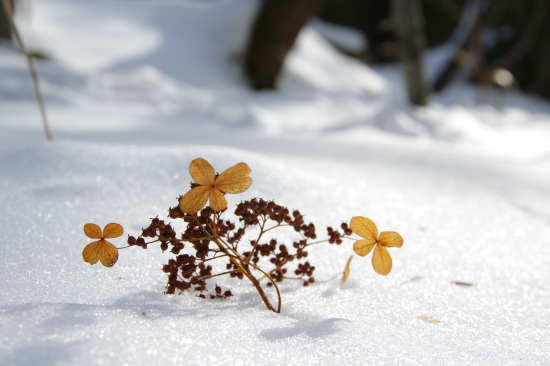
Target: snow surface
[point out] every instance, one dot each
(136, 90)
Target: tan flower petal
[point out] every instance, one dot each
(202, 172)
(381, 260)
(112, 230)
(91, 252)
(347, 271)
(364, 227)
(363, 247)
(235, 179)
(217, 200)
(108, 253)
(93, 231)
(390, 239)
(194, 200)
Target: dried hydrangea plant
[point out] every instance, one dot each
(210, 237)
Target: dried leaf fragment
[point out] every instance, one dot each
(347, 271)
(415, 278)
(430, 319)
(101, 250)
(234, 180)
(460, 283)
(381, 258)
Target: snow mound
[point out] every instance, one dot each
(136, 90)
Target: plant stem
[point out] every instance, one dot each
(256, 243)
(9, 12)
(251, 278)
(274, 285)
(218, 274)
(236, 260)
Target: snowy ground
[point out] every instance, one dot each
(136, 90)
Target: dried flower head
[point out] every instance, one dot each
(381, 259)
(261, 256)
(101, 250)
(211, 187)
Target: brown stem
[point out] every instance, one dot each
(159, 240)
(252, 279)
(218, 274)
(319, 242)
(219, 256)
(236, 260)
(274, 227)
(274, 285)
(9, 12)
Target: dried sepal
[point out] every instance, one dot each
(347, 271)
(364, 227)
(363, 247)
(93, 231)
(381, 258)
(217, 200)
(101, 250)
(390, 239)
(234, 180)
(112, 230)
(195, 199)
(202, 172)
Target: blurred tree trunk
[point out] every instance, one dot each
(464, 50)
(409, 32)
(5, 30)
(273, 34)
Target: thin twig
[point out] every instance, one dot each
(237, 261)
(32, 70)
(218, 274)
(256, 242)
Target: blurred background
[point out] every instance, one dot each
(492, 43)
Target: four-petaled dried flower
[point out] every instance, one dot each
(102, 250)
(381, 259)
(234, 180)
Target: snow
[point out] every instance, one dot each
(136, 90)
(346, 38)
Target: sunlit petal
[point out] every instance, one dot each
(91, 252)
(363, 247)
(364, 227)
(235, 179)
(112, 231)
(381, 260)
(217, 200)
(194, 200)
(108, 253)
(93, 231)
(202, 172)
(390, 239)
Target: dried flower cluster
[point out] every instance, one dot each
(247, 245)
